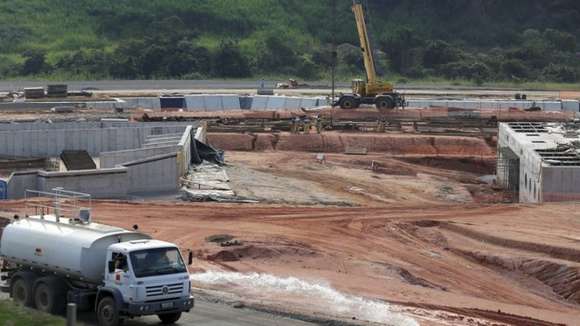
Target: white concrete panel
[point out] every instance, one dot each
(195, 103)
(553, 106)
(308, 103)
(260, 103)
(213, 103)
(276, 102)
(231, 103)
(292, 103)
(571, 106)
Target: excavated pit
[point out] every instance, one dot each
(394, 144)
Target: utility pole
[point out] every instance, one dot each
(334, 53)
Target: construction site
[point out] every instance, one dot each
(373, 207)
(391, 210)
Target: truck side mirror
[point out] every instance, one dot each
(111, 266)
(190, 259)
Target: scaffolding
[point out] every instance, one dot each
(60, 203)
(508, 171)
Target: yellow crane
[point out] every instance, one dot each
(371, 91)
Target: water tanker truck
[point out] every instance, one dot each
(50, 260)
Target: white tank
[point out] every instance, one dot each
(75, 250)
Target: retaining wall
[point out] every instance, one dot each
(210, 103)
(102, 183)
(154, 174)
(139, 166)
(111, 123)
(338, 143)
(112, 159)
(51, 142)
(549, 106)
(21, 181)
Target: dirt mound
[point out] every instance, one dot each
(564, 280)
(259, 252)
(232, 142)
(478, 165)
(339, 143)
(564, 253)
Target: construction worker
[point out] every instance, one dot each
(295, 126)
(318, 124)
(381, 125)
(307, 125)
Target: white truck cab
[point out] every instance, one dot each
(149, 274)
(51, 260)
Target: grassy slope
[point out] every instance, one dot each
(17, 316)
(62, 26)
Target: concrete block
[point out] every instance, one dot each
(154, 174)
(195, 103)
(213, 103)
(308, 103)
(553, 106)
(231, 103)
(571, 106)
(292, 103)
(276, 102)
(103, 183)
(260, 103)
(246, 102)
(19, 182)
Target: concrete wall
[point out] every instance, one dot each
(51, 142)
(112, 159)
(102, 183)
(154, 174)
(136, 170)
(538, 182)
(256, 103)
(184, 152)
(560, 184)
(566, 105)
(106, 123)
(21, 181)
(31, 106)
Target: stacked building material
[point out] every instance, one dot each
(57, 90)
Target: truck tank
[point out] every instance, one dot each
(62, 246)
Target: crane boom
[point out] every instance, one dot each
(371, 91)
(365, 43)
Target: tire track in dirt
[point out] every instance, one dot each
(564, 253)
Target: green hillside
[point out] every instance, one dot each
(475, 40)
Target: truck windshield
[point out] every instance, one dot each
(154, 262)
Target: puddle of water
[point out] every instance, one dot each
(332, 300)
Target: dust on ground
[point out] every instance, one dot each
(338, 179)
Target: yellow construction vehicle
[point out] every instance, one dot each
(371, 91)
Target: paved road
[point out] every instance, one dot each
(208, 313)
(147, 84)
(214, 314)
(245, 85)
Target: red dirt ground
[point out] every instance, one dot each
(517, 259)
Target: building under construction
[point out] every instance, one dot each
(540, 162)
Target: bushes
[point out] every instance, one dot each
(229, 61)
(559, 73)
(288, 39)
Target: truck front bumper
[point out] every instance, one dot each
(159, 307)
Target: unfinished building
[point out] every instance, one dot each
(539, 162)
(104, 159)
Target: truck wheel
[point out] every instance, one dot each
(49, 296)
(169, 319)
(22, 292)
(385, 102)
(107, 312)
(347, 103)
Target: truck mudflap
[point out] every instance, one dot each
(157, 307)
